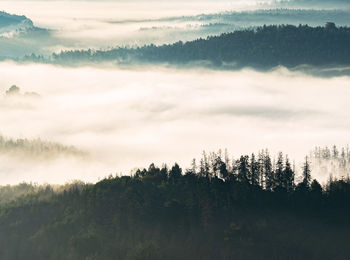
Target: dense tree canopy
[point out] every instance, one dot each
(249, 208)
(263, 47)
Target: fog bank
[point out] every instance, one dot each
(105, 24)
(129, 118)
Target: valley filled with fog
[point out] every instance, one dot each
(125, 118)
(117, 118)
(53, 26)
(138, 130)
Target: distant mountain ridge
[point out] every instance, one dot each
(264, 47)
(314, 3)
(11, 22)
(19, 36)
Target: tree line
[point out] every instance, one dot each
(261, 47)
(249, 208)
(36, 148)
(259, 171)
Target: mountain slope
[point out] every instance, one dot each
(10, 23)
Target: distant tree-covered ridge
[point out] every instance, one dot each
(314, 3)
(36, 148)
(330, 161)
(14, 21)
(263, 47)
(219, 208)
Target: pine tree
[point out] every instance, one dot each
(223, 171)
(204, 165)
(279, 178)
(288, 176)
(269, 175)
(335, 152)
(306, 173)
(243, 169)
(194, 166)
(254, 171)
(202, 171)
(227, 160)
(175, 173)
(261, 172)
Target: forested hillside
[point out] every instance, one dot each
(263, 47)
(250, 208)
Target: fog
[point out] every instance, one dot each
(66, 25)
(105, 24)
(126, 118)
(116, 119)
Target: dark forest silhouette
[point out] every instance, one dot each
(263, 47)
(250, 208)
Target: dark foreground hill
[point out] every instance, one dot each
(249, 210)
(264, 47)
